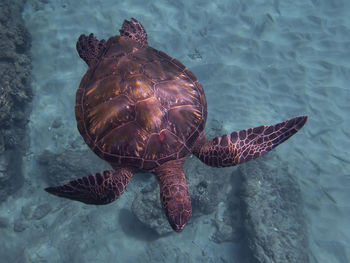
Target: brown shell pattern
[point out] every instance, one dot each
(139, 107)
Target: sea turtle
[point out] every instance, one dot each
(143, 111)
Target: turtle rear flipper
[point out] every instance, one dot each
(90, 49)
(134, 29)
(96, 189)
(245, 145)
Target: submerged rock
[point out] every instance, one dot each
(4, 222)
(228, 222)
(148, 209)
(15, 95)
(207, 187)
(41, 211)
(19, 226)
(43, 252)
(273, 213)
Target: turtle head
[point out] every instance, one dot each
(177, 228)
(174, 194)
(178, 210)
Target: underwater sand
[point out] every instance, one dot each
(260, 62)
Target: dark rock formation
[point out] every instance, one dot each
(15, 94)
(207, 186)
(148, 209)
(273, 213)
(228, 217)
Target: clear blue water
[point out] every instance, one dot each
(260, 62)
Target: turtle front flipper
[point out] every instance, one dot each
(134, 29)
(96, 189)
(174, 194)
(242, 146)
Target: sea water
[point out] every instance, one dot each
(259, 61)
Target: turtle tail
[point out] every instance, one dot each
(90, 49)
(134, 29)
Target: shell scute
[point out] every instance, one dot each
(139, 87)
(109, 115)
(126, 140)
(126, 68)
(184, 120)
(162, 145)
(176, 92)
(149, 115)
(102, 90)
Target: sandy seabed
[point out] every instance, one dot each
(260, 62)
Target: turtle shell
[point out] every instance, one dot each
(139, 107)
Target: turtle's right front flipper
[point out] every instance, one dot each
(242, 146)
(96, 189)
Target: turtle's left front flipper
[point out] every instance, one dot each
(96, 189)
(242, 146)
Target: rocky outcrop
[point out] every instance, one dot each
(207, 186)
(228, 220)
(148, 210)
(15, 95)
(273, 212)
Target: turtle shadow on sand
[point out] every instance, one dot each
(133, 227)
